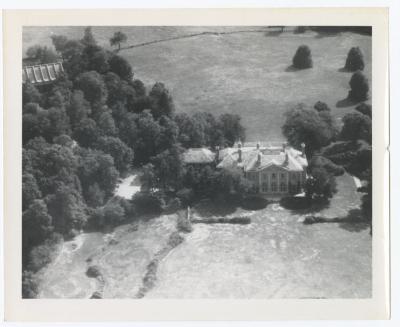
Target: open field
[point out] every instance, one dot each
(276, 256)
(242, 73)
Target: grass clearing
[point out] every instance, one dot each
(244, 73)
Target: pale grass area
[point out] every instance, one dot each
(129, 186)
(276, 256)
(243, 74)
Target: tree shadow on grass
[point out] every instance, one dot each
(209, 208)
(344, 70)
(344, 103)
(303, 205)
(291, 69)
(254, 203)
(354, 221)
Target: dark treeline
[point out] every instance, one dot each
(84, 131)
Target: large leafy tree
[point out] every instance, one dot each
(118, 38)
(36, 224)
(93, 87)
(231, 127)
(161, 101)
(359, 87)
(354, 60)
(356, 126)
(303, 125)
(302, 58)
(121, 67)
(122, 154)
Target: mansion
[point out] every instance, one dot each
(275, 171)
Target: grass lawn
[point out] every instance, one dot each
(244, 73)
(276, 256)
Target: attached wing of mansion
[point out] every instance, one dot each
(274, 170)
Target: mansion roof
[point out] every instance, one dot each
(254, 159)
(198, 156)
(42, 74)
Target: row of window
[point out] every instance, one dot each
(254, 176)
(274, 187)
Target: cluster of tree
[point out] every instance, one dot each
(331, 151)
(85, 130)
(359, 87)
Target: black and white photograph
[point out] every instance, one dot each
(197, 162)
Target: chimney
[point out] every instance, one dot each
(217, 153)
(259, 158)
(240, 151)
(258, 145)
(303, 149)
(284, 144)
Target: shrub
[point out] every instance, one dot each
(320, 161)
(321, 106)
(148, 203)
(302, 59)
(321, 184)
(359, 87)
(173, 205)
(356, 126)
(365, 109)
(355, 60)
(93, 272)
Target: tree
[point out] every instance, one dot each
(121, 67)
(354, 156)
(148, 131)
(355, 60)
(302, 59)
(356, 126)
(161, 101)
(67, 208)
(310, 127)
(93, 87)
(365, 109)
(78, 108)
(106, 124)
(122, 154)
(86, 133)
(97, 167)
(88, 37)
(117, 39)
(191, 131)
(359, 87)
(30, 190)
(321, 106)
(99, 61)
(321, 184)
(148, 178)
(95, 195)
(36, 224)
(169, 168)
(72, 52)
(30, 94)
(41, 54)
(168, 133)
(318, 161)
(231, 128)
